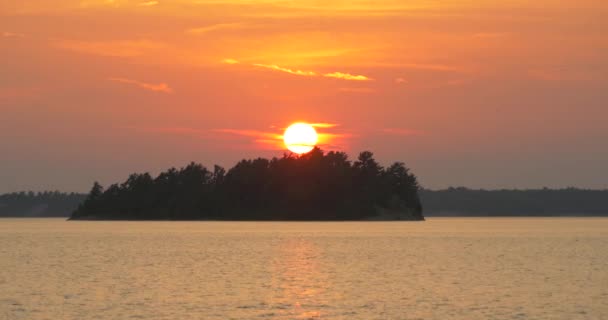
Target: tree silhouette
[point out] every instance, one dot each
(39, 204)
(313, 186)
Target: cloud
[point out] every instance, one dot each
(335, 141)
(215, 27)
(336, 75)
(347, 76)
(148, 3)
(98, 3)
(230, 61)
(274, 140)
(111, 48)
(250, 133)
(161, 87)
(209, 134)
(290, 71)
(324, 125)
(401, 132)
(400, 80)
(269, 140)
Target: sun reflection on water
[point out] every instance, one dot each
(298, 280)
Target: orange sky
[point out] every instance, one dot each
(476, 93)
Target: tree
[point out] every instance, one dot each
(313, 186)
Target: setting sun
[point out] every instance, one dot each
(300, 137)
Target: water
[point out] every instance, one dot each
(451, 268)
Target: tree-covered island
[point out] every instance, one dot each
(313, 186)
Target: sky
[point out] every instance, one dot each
(483, 94)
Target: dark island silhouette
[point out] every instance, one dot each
(312, 186)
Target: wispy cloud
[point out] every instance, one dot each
(110, 48)
(347, 76)
(215, 27)
(335, 141)
(230, 61)
(400, 80)
(274, 139)
(291, 71)
(324, 125)
(148, 3)
(85, 4)
(250, 133)
(270, 140)
(307, 73)
(266, 140)
(161, 87)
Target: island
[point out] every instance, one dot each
(315, 186)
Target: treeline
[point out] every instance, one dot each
(40, 204)
(313, 186)
(533, 202)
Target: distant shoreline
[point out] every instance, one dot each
(427, 218)
(452, 202)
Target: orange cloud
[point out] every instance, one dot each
(333, 140)
(324, 125)
(230, 61)
(262, 139)
(274, 140)
(268, 140)
(347, 76)
(148, 3)
(291, 71)
(161, 87)
(337, 75)
(215, 27)
(250, 133)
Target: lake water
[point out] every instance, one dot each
(444, 268)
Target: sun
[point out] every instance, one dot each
(300, 137)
